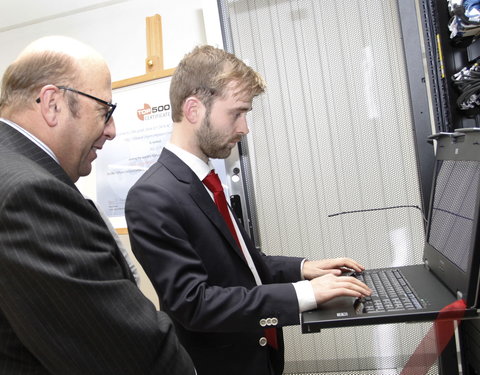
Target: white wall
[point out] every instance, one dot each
(117, 29)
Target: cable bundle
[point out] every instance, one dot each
(467, 82)
(465, 21)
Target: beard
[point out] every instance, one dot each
(212, 143)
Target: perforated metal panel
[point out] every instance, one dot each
(332, 156)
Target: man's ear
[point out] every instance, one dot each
(49, 103)
(193, 109)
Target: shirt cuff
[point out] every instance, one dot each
(305, 295)
(301, 269)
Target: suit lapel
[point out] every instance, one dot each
(15, 141)
(200, 195)
(206, 204)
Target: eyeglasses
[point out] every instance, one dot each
(110, 105)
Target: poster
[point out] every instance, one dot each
(143, 126)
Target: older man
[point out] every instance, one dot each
(68, 301)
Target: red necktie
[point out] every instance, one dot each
(212, 182)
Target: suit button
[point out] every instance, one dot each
(269, 321)
(274, 321)
(263, 322)
(262, 341)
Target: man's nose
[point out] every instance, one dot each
(110, 131)
(243, 126)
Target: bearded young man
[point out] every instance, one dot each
(228, 300)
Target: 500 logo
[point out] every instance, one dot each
(147, 111)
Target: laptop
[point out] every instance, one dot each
(451, 254)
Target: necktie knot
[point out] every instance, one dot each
(212, 182)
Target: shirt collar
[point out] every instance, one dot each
(30, 136)
(197, 165)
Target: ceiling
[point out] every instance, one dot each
(18, 13)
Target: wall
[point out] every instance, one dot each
(116, 29)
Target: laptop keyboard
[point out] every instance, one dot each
(390, 292)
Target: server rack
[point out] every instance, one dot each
(442, 59)
(447, 53)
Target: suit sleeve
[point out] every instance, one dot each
(67, 298)
(172, 240)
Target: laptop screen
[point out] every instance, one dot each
(452, 217)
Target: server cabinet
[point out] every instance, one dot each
(452, 33)
(337, 162)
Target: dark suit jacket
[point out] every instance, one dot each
(203, 283)
(68, 303)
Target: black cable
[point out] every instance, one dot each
(376, 209)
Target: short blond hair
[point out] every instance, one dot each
(205, 72)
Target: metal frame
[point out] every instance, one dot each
(245, 190)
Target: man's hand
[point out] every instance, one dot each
(316, 268)
(330, 286)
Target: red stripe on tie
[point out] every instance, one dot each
(436, 339)
(271, 336)
(213, 183)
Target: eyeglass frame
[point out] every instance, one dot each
(111, 106)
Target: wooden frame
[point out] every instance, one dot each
(154, 60)
(153, 64)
